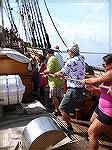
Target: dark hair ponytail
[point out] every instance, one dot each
(108, 58)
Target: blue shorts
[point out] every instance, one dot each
(103, 118)
(72, 99)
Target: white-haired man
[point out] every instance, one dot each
(73, 68)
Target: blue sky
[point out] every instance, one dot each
(80, 22)
(83, 22)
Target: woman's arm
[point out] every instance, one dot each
(98, 80)
(92, 89)
(59, 74)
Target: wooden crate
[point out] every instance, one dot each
(9, 66)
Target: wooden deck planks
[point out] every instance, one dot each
(80, 137)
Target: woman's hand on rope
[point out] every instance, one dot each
(110, 90)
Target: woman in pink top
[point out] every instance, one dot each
(102, 116)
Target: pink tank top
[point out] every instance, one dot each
(105, 101)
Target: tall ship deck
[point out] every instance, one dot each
(21, 113)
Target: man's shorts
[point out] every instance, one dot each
(103, 118)
(56, 92)
(72, 99)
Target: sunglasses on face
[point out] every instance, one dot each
(104, 65)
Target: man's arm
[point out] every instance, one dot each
(59, 74)
(50, 66)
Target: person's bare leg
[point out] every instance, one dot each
(93, 117)
(66, 117)
(95, 129)
(56, 103)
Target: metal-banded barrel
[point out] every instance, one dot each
(42, 133)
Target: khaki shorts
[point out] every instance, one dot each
(56, 92)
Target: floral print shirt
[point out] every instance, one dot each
(74, 68)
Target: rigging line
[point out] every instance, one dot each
(39, 27)
(54, 24)
(7, 9)
(27, 20)
(32, 4)
(27, 38)
(22, 11)
(34, 24)
(14, 10)
(46, 35)
(87, 52)
(7, 13)
(38, 15)
(14, 25)
(18, 23)
(2, 42)
(93, 53)
(41, 16)
(34, 42)
(1, 13)
(30, 16)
